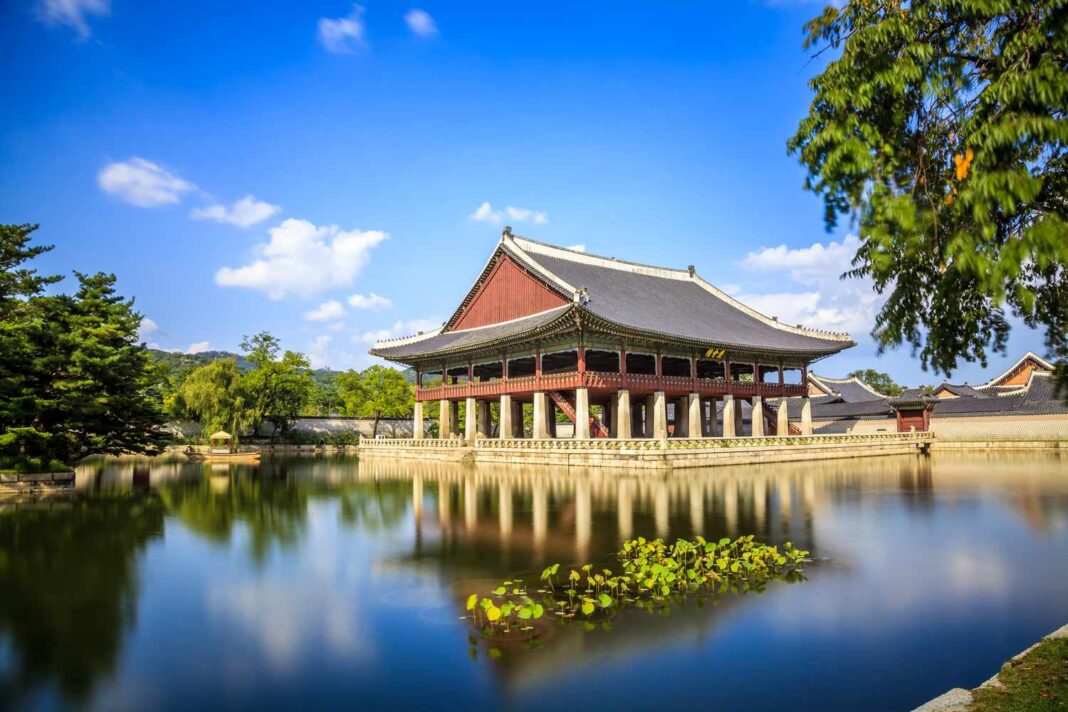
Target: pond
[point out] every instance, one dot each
(321, 582)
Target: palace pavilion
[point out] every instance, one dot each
(624, 350)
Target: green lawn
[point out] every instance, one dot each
(1037, 682)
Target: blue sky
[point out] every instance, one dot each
(322, 170)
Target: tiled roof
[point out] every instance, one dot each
(668, 301)
(850, 390)
(964, 391)
(437, 341)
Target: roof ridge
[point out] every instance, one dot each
(682, 275)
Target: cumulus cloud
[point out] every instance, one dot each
(486, 213)
(147, 328)
(73, 13)
(343, 35)
(304, 259)
(823, 300)
(243, 213)
(198, 347)
(369, 301)
(327, 311)
(142, 183)
(400, 328)
(421, 23)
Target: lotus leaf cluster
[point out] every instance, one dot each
(650, 570)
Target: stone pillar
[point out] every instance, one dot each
(806, 416)
(517, 419)
(582, 414)
(782, 422)
(647, 419)
(444, 426)
(758, 417)
(682, 417)
(739, 420)
(470, 419)
(728, 416)
(454, 418)
(611, 410)
(696, 415)
(622, 415)
(417, 421)
(550, 416)
(484, 425)
(541, 429)
(659, 416)
(505, 425)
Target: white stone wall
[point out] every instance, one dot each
(1004, 427)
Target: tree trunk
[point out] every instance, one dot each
(374, 433)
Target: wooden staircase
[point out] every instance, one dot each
(597, 428)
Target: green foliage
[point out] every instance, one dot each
(878, 380)
(941, 131)
(376, 392)
(74, 379)
(652, 571)
(216, 396)
(279, 388)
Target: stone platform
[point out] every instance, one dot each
(645, 453)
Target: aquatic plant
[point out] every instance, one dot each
(652, 570)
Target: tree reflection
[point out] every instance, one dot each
(69, 581)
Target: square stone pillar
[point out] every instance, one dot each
(582, 414)
(541, 429)
(505, 428)
(647, 419)
(550, 416)
(622, 415)
(484, 425)
(517, 419)
(806, 416)
(782, 419)
(659, 416)
(696, 415)
(417, 421)
(611, 409)
(729, 421)
(470, 419)
(682, 417)
(454, 418)
(713, 418)
(758, 417)
(739, 420)
(443, 419)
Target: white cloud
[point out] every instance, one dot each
(400, 328)
(538, 217)
(304, 259)
(147, 328)
(577, 248)
(327, 311)
(318, 354)
(142, 183)
(73, 13)
(244, 213)
(421, 23)
(369, 301)
(826, 301)
(486, 213)
(344, 34)
(198, 347)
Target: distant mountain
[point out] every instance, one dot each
(187, 362)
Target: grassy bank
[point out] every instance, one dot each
(1036, 681)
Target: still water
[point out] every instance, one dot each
(324, 583)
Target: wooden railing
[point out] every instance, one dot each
(711, 387)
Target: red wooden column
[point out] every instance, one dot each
(727, 374)
(659, 366)
(693, 373)
(504, 366)
(782, 383)
(582, 359)
(756, 376)
(623, 364)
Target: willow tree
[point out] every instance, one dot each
(216, 396)
(939, 129)
(376, 392)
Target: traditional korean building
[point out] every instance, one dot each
(623, 349)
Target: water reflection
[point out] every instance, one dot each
(311, 580)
